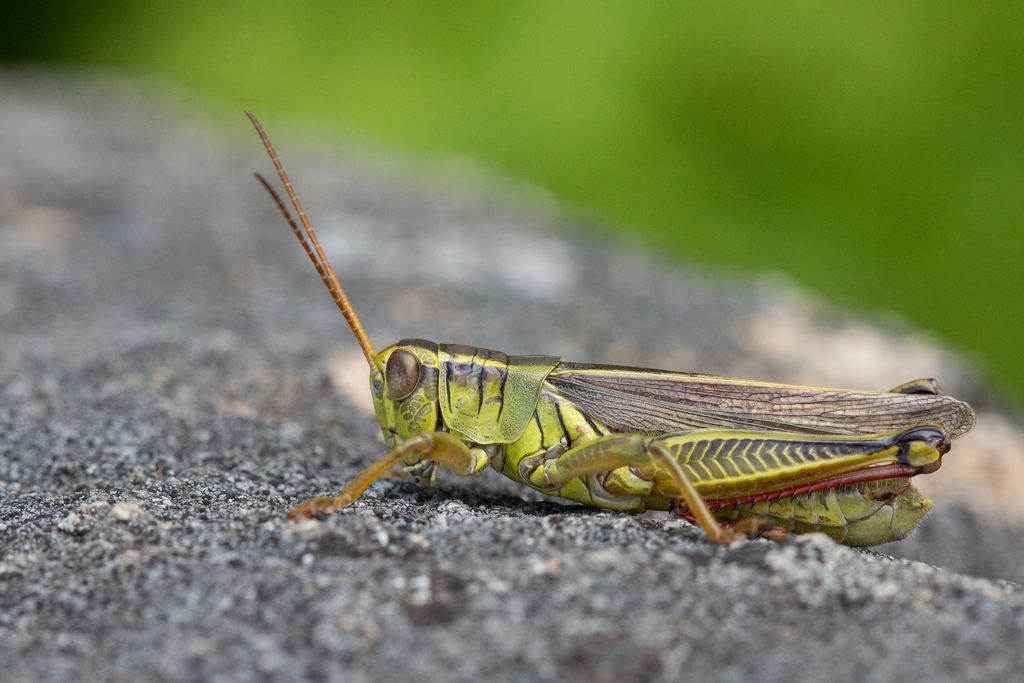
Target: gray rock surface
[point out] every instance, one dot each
(173, 378)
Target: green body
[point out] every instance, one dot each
(801, 459)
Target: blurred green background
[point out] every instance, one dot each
(873, 151)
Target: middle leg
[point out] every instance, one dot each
(630, 450)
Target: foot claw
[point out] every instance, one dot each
(731, 536)
(750, 525)
(775, 533)
(314, 507)
(742, 530)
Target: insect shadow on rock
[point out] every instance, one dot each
(736, 457)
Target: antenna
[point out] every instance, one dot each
(323, 267)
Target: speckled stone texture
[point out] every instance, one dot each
(173, 378)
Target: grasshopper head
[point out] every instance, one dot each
(403, 383)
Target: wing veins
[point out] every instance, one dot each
(659, 401)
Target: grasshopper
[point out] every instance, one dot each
(735, 457)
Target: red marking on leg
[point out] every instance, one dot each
(894, 471)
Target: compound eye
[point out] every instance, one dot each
(402, 374)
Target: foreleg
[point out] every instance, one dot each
(441, 447)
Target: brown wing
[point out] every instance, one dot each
(654, 402)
